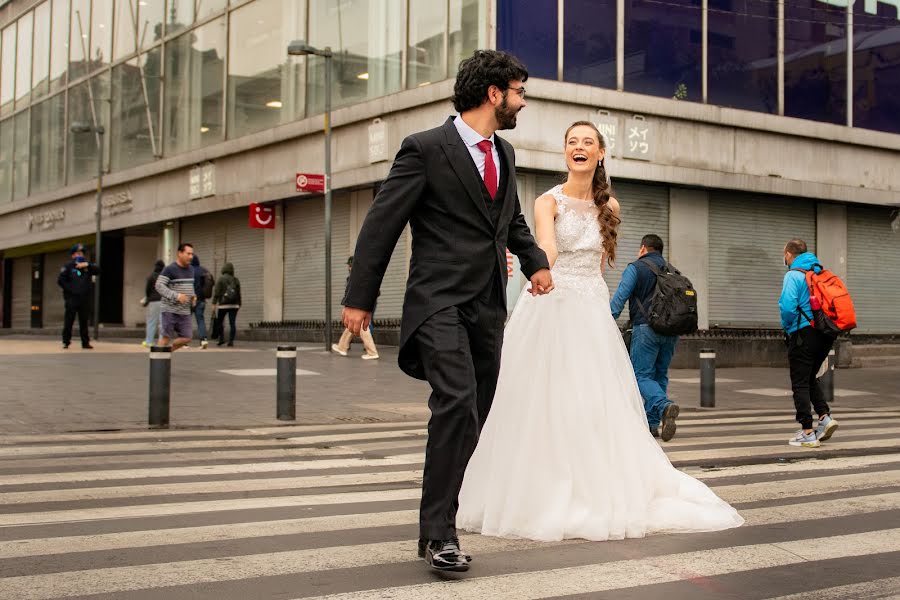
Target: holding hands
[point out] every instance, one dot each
(541, 283)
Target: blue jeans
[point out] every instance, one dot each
(152, 335)
(201, 322)
(651, 354)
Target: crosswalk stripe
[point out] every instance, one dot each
(711, 419)
(620, 575)
(207, 487)
(26, 451)
(185, 471)
(777, 437)
(818, 509)
(782, 449)
(751, 492)
(800, 466)
(885, 589)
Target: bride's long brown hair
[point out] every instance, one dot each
(600, 190)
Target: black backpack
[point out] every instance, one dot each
(209, 283)
(673, 305)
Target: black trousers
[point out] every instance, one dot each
(460, 349)
(232, 315)
(807, 349)
(81, 310)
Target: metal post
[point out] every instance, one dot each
(707, 378)
(99, 132)
(328, 186)
(826, 382)
(160, 382)
(286, 380)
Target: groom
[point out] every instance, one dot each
(456, 187)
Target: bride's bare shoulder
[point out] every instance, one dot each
(545, 204)
(614, 205)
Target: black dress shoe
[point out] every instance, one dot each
(87, 347)
(445, 555)
(65, 346)
(423, 543)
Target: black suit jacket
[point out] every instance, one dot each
(456, 248)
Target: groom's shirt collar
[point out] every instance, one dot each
(469, 135)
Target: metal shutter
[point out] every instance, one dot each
(304, 257)
(393, 286)
(644, 210)
(747, 234)
(200, 232)
(873, 253)
(244, 249)
(54, 305)
(21, 292)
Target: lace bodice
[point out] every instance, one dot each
(580, 246)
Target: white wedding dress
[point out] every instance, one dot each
(566, 451)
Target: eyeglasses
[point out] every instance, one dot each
(519, 90)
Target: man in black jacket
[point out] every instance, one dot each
(75, 279)
(456, 187)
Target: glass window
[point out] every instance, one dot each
(589, 48)
(208, 8)
(101, 34)
(815, 61)
(8, 73)
(150, 22)
(59, 45)
(179, 15)
(427, 28)
(125, 42)
(876, 66)
(78, 38)
(743, 63)
(530, 33)
(134, 128)
(23, 60)
(263, 85)
(21, 145)
(663, 48)
(85, 105)
(467, 30)
(48, 135)
(41, 61)
(366, 38)
(195, 68)
(6, 156)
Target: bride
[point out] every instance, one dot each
(566, 451)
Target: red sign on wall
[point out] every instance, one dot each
(262, 216)
(509, 264)
(310, 182)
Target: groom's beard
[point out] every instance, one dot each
(506, 116)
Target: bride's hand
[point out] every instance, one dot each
(541, 283)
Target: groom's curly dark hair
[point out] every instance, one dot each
(482, 70)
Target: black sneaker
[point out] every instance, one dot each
(65, 346)
(445, 555)
(423, 543)
(87, 347)
(670, 413)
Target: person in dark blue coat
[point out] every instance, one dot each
(76, 280)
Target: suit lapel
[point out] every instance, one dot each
(461, 163)
(509, 173)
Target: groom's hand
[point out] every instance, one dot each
(356, 319)
(541, 282)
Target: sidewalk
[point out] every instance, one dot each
(47, 389)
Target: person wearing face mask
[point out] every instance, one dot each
(75, 279)
(807, 346)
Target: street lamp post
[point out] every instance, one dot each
(301, 48)
(98, 131)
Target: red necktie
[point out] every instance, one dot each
(490, 169)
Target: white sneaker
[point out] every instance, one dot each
(337, 350)
(204, 344)
(806, 440)
(370, 357)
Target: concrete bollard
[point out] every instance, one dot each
(707, 378)
(286, 381)
(826, 382)
(160, 386)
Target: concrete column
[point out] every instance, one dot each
(169, 246)
(360, 201)
(831, 237)
(689, 242)
(273, 268)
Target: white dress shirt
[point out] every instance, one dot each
(470, 138)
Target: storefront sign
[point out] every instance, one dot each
(115, 204)
(378, 141)
(202, 181)
(310, 182)
(262, 216)
(609, 127)
(638, 139)
(46, 220)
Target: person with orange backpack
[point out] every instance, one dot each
(815, 308)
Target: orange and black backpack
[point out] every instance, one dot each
(831, 304)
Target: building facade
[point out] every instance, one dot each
(735, 124)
